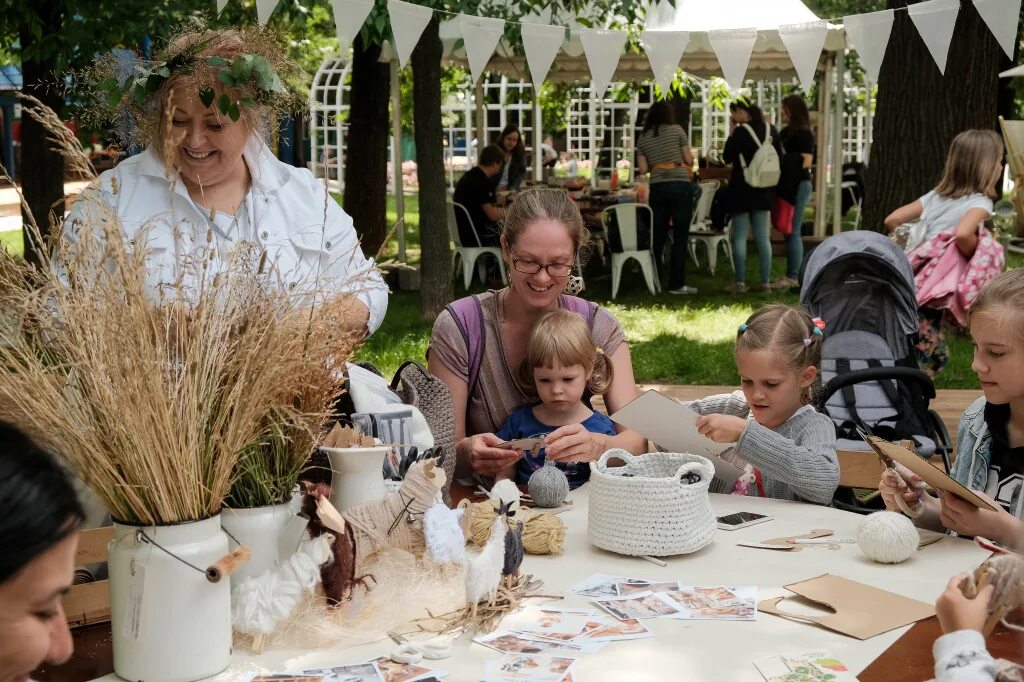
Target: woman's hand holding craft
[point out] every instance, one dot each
(963, 517)
(957, 612)
(485, 458)
(895, 483)
(721, 428)
(573, 443)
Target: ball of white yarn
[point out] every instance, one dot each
(888, 537)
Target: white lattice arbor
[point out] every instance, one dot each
(328, 120)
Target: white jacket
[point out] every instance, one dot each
(309, 241)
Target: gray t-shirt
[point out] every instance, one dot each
(662, 149)
(943, 213)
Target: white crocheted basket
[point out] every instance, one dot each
(645, 508)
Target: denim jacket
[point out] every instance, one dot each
(973, 445)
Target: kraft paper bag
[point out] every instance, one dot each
(861, 611)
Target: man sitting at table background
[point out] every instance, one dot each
(475, 191)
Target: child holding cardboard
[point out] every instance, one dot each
(786, 448)
(990, 439)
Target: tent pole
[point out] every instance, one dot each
(591, 118)
(821, 165)
(396, 155)
(868, 123)
(538, 137)
(837, 145)
(478, 101)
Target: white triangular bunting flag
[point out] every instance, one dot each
(660, 16)
(603, 48)
(407, 24)
(733, 48)
(221, 4)
(804, 43)
(935, 20)
(1001, 17)
(349, 16)
(264, 8)
(869, 34)
(664, 51)
(481, 36)
(541, 44)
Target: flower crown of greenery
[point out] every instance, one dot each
(253, 72)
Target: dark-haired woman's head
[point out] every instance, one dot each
(39, 514)
(511, 140)
(795, 114)
(660, 114)
(755, 114)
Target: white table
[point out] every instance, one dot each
(697, 650)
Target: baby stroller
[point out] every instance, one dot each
(861, 284)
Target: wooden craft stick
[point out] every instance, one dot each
(659, 562)
(228, 564)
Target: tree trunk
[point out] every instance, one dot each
(366, 165)
(42, 168)
(436, 266)
(920, 111)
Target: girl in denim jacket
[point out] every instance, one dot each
(990, 439)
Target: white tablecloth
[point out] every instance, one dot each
(697, 650)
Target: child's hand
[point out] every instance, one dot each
(573, 443)
(957, 612)
(963, 517)
(721, 428)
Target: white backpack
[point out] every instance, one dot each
(764, 169)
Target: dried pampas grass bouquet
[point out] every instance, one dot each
(164, 399)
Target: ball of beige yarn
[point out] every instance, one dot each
(888, 537)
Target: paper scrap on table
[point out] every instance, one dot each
(390, 671)
(638, 606)
(548, 621)
(359, 672)
(599, 585)
(635, 585)
(813, 666)
(516, 668)
(673, 426)
(714, 603)
(509, 642)
(281, 677)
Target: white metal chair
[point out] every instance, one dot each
(701, 231)
(627, 222)
(471, 254)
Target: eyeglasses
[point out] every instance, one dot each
(532, 267)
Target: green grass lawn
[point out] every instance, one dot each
(673, 339)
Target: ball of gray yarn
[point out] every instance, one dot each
(548, 486)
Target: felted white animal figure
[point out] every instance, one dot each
(483, 570)
(442, 530)
(505, 492)
(259, 604)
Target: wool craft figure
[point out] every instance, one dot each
(1005, 572)
(888, 537)
(505, 492)
(394, 521)
(483, 569)
(443, 533)
(259, 604)
(548, 485)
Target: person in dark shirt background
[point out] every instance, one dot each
(795, 184)
(475, 191)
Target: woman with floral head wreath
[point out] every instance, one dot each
(207, 185)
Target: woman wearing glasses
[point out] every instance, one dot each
(478, 341)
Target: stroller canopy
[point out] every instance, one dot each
(862, 280)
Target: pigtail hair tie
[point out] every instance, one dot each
(743, 327)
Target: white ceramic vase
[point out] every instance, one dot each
(357, 475)
(260, 529)
(168, 622)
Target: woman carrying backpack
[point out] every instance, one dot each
(751, 192)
